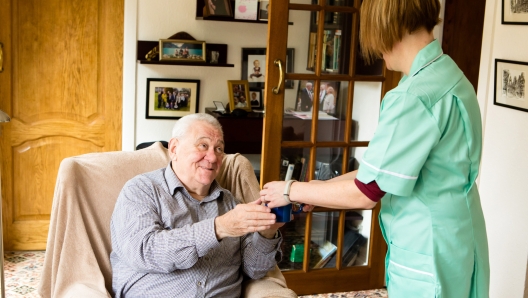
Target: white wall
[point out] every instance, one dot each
(504, 174)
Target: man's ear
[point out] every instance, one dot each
(173, 145)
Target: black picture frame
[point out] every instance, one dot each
(184, 103)
(223, 9)
(510, 84)
(258, 92)
(260, 55)
(182, 50)
(514, 15)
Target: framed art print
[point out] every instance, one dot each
(171, 98)
(182, 50)
(510, 84)
(514, 12)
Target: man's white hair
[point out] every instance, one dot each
(183, 125)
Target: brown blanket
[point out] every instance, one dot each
(77, 262)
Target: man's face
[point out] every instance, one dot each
(309, 87)
(197, 157)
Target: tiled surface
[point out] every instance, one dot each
(22, 271)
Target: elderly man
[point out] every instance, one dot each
(177, 233)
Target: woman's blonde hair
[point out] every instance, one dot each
(383, 23)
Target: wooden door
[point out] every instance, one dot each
(62, 87)
(321, 139)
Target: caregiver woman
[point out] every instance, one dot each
(423, 161)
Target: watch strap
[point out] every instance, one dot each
(287, 188)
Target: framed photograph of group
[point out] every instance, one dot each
(328, 96)
(510, 84)
(514, 12)
(171, 98)
(239, 95)
(182, 50)
(254, 66)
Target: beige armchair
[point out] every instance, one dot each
(77, 262)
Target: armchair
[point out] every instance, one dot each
(77, 262)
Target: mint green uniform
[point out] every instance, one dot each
(425, 155)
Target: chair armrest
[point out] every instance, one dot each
(271, 285)
(80, 290)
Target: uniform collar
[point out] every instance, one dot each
(174, 183)
(426, 57)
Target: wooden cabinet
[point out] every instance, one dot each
(324, 250)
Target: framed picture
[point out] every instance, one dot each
(255, 98)
(328, 96)
(263, 10)
(171, 98)
(182, 50)
(510, 82)
(246, 9)
(254, 66)
(218, 8)
(239, 95)
(514, 12)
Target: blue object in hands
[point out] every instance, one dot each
(284, 213)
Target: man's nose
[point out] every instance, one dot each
(211, 155)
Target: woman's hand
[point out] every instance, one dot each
(273, 194)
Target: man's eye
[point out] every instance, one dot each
(220, 150)
(203, 146)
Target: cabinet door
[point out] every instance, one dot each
(320, 129)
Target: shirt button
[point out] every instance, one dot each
(199, 283)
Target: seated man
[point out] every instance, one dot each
(177, 233)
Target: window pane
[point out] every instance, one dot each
(294, 163)
(297, 121)
(328, 163)
(293, 243)
(324, 239)
(365, 113)
(356, 238)
(332, 99)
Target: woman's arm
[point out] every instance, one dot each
(339, 193)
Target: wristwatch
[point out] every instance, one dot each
(286, 193)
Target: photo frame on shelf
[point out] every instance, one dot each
(246, 9)
(328, 96)
(263, 10)
(217, 8)
(254, 66)
(256, 98)
(239, 95)
(171, 98)
(514, 12)
(182, 50)
(510, 84)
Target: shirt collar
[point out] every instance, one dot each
(174, 183)
(425, 57)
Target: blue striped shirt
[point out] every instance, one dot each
(164, 242)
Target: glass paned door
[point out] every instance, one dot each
(317, 127)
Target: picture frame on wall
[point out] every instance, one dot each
(239, 95)
(254, 66)
(182, 50)
(171, 98)
(510, 84)
(514, 12)
(217, 8)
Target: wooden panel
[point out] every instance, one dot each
(462, 37)
(32, 197)
(63, 88)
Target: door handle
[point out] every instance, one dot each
(276, 90)
(1, 57)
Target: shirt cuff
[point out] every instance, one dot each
(205, 236)
(266, 245)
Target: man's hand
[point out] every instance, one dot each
(244, 219)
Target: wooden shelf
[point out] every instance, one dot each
(144, 46)
(185, 63)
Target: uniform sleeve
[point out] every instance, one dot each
(404, 138)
